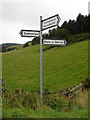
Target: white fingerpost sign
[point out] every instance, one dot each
(54, 42)
(29, 33)
(50, 22)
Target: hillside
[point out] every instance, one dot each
(62, 67)
(6, 45)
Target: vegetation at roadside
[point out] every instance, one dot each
(44, 113)
(28, 106)
(21, 104)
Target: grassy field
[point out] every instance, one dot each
(62, 67)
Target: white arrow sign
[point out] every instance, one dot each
(29, 33)
(54, 42)
(50, 22)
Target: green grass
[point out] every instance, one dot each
(62, 67)
(44, 113)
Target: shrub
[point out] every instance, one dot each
(26, 45)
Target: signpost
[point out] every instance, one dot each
(44, 24)
(54, 42)
(29, 33)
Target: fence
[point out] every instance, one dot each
(67, 92)
(74, 91)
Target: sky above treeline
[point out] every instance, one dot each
(25, 14)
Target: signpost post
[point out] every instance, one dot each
(41, 58)
(44, 24)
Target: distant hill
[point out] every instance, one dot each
(6, 45)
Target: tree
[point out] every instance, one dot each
(65, 25)
(89, 23)
(80, 21)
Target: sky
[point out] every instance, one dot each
(16, 15)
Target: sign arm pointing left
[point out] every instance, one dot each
(29, 33)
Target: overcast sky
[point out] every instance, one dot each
(25, 14)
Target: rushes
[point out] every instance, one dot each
(81, 100)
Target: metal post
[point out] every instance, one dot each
(41, 59)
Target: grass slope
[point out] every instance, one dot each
(62, 67)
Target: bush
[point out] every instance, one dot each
(78, 38)
(35, 41)
(26, 45)
(56, 102)
(59, 34)
(86, 83)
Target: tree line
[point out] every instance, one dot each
(80, 25)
